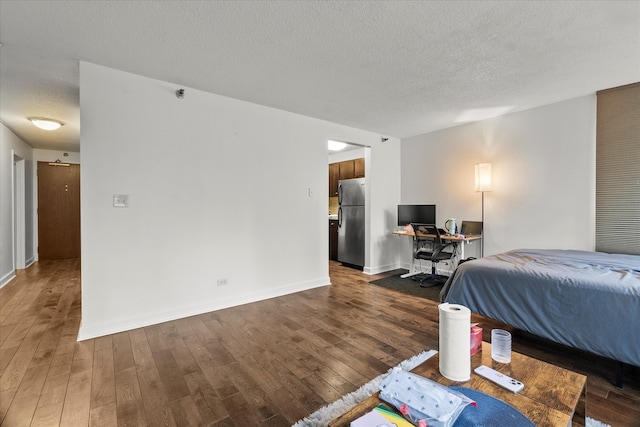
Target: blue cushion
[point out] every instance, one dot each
(490, 412)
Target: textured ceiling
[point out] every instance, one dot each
(396, 68)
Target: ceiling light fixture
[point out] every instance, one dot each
(46, 124)
(336, 145)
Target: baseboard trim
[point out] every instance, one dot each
(7, 278)
(126, 324)
(380, 269)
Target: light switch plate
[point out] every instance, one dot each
(120, 200)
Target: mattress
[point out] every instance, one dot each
(586, 300)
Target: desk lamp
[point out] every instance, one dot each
(483, 184)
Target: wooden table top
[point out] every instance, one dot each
(442, 236)
(549, 397)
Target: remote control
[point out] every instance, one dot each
(501, 379)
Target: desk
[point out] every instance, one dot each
(552, 396)
(460, 240)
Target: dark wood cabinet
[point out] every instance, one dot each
(347, 169)
(344, 170)
(333, 239)
(334, 176)
(358, 168)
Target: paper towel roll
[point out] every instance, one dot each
(455, 354)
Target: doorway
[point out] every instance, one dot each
(348, 161)
(58, 210)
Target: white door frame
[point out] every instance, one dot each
(18, 200)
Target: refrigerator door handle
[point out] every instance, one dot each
(339, 217)
(339, 193)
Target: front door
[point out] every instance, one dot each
(58, 210)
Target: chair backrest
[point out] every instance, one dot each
(428, 243)
(420, 230)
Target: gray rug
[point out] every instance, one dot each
(410, 286)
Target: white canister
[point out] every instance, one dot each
(455, 341)
(450, 225)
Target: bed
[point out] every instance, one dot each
(586, 300)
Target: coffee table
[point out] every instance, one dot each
(552, 396)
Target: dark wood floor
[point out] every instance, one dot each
(263, 364)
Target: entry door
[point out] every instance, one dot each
(58, 211)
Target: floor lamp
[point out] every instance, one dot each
(483, 184)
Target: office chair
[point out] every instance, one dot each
(430, 248)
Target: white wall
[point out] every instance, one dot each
(543, 167)
(40, 155)
(342, 156)
(219, 189)
(382, 169)
(10, 145)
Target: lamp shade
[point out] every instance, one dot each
(483, 177)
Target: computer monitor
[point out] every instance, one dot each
(424, 214)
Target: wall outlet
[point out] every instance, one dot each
(223, 282)
(120, 200)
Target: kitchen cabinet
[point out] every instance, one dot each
(358, 168)
(344, 170)
(334, 176)
(333, 239)
(347, 169)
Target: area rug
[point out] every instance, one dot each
(595, 423)
(324, 415)
(409, 286)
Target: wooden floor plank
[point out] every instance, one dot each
(6, 355)
(57, 381)
(122, 352)
(154, 398)
(103, 384)
(6, 400)
(207, 401)
(26, 398)
(142, 354)
(186, 413)
(77, 403)
(129, 404)
(268, 363)
(104, 416)
(172, 377)
(21, 360)
(181, 354)
(47, 415)
(18, 331)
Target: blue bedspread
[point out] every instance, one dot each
(587, 300)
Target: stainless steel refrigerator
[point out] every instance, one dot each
(351, 221)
